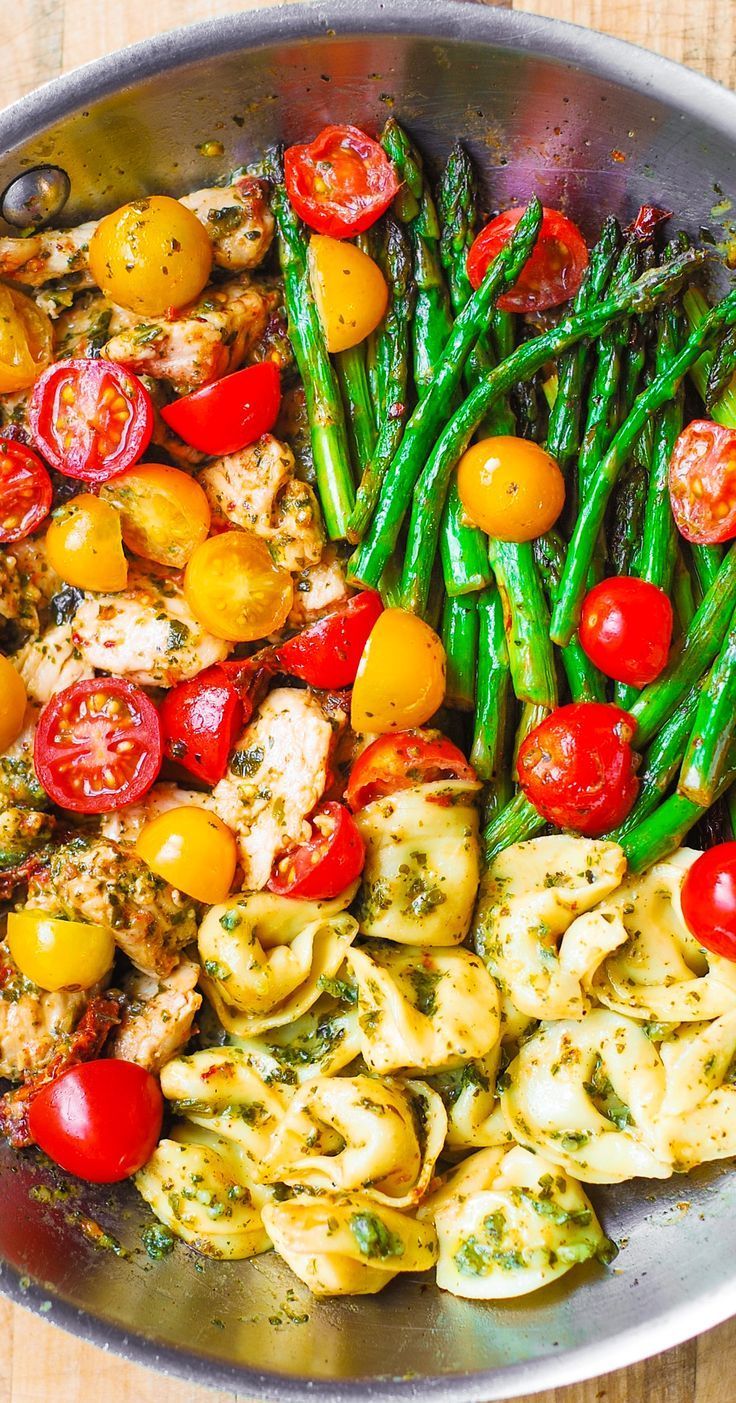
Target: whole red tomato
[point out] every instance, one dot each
(99, 1120)
(577, 767)
(626, 629)
(708, 898)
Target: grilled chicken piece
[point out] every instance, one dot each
(52, 662)
(203, 342)
(22, 832)
(27, 583)
(86, 327)
(158, 1016)
(317, 589)
(277, 774)
(256, 489)
(124, 825)
(96, 880)
(238, 220)
(44, 257)
(146, 632)
(32, 1021)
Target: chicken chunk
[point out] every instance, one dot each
(205, 341)
(158, 1016)
(44, 257)
(238, 220)
(27, 583)
(52, 662)
(31, 1021)
(256, 489)
(317, 589)
(22, 831)
(124, 825)
(96, 880)
(146, 632)
(85, 327)
(277, 773)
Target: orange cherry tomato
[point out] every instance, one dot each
(510, 487)
(151, 255)
(401, 676)
(84, 545)
(233, 587)
(26, 341)
(164, 513)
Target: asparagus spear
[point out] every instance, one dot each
(428, 494)
(516, 822)
(683, 598)
(493, 699)
(723, 410)
(697, 651)
(460, 639)
(429, 414)
(322, 392)
(661, 763)
(722, 369)
(667, 827)
(655, 560)
(526, 621)
(357, 401)
(583, 679)
(393, 353)
(706, 756)
(463, 549)
(603, 393)
(582, 545)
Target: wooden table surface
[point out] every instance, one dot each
(38, 40)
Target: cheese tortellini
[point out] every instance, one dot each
(343, 1133)
(698, 1119)
(348, 1244)
(319, 1043)
(221, 1091)
(422, 1009)
(265, 957)
(509, 1222)
(422, 864)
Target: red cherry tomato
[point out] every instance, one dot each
(577, 767)
(228, 415)
(400, 759)
(25, 491)
(324, 866)
(626, 629)
(90, 418)
(98, 745)
(99, 1120)
(703, 482)
(341, 183)
(708, 899)
(550, 276)
(200, 722)
(327, 653)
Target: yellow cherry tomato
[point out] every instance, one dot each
(510, 488)
(233, 587)
(193, 850)
(349, 289)
(12, 703)
(401, 675)
(58, 954)
(151, 255)
(164, 513)
(84, 545)
(26, 341)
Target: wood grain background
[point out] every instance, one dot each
(38, 40)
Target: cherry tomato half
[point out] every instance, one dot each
(84, 545)
(151, 255)
(400, 680)
(193, 850)
(327, 653)
(90, 418)
(626, 629)
(349, 289)
(703, 482)
(26, 340)
(99, 1120)
(59, 954)
(98, 745)
(405, 758)
(233, 587)
(329, 862)
(12, 703)
(25, 491)
(708, 899)
(577, 767)
(200, 722)
(228, 415)
(340, 183)
(550, 276)
(164, 513)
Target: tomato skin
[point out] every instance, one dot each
(193, 850)
(200, 722)
(77, 739)
(226, 416)
(151, 255)
(90, 418)
(577, 767)
(58, 954)
(99, 1120)
(400, 680)
(349, 290)
(399, 760)
(708, 899)
(702, 481)
(164, 513)
(626, 629)
(326, 653)
(328, 863)
(341, 182)
(25, 491)
(550, 276)
(510, 487)
(234, 589)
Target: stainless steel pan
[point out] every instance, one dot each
(596, 126)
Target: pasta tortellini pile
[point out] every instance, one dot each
(388, 1098)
